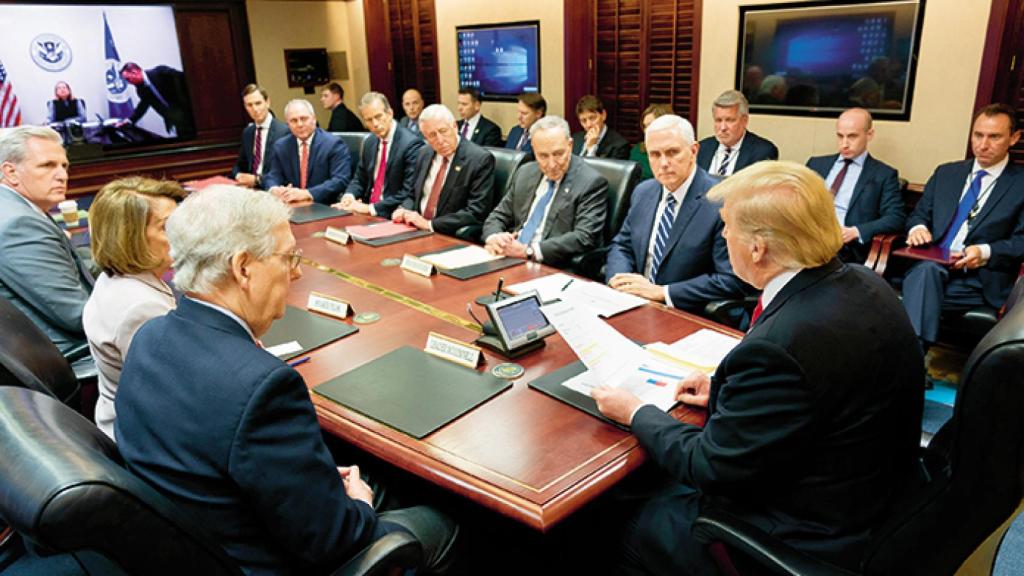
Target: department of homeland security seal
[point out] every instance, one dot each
(50, 52)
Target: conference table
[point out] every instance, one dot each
(522, 453)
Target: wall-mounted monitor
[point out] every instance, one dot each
(819, 58)
(306, 67)
(108, 75)
(502, 61)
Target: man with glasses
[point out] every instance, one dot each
(454, 178)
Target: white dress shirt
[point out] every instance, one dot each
(679, 194)
(716, 161)
(264, 134)
(845, 193)
(432, 175)
(472, 123)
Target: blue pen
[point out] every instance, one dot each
(302, 360)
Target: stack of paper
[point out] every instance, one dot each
(703, 350)
(583, 294)
(460, 257)
(379, 230)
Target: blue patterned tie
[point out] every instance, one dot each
(668, 217)
(963, 210)
(526, 234)
(723, 168)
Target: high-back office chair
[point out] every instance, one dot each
(29, 359)
(355, 141)
(976, 468)
(622, 177)
(506, 162)
(64, 489)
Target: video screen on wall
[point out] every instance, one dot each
(818, 58)
(502, 61)
(108, 75)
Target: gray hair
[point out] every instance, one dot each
(550, 123)
(212, 226)
(371, 97)
(301, 102)
(14, 141)
(731, 98)
(681, 126)
(437, 112)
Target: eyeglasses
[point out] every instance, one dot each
(294, 258)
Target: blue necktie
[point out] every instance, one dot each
(668, 217)
(526, 234)
(963, 210)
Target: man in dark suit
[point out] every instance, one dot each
(412, 104)
(670, 248)
(257, 138)
(596, 138)
(474, 126)
(733, 147)
(386, 173)
(454, 178)
(867, 192)
(311, 165)
(813, 418)
(974, 209)
(332, 98)
(530, 107)
(555, 207)
(163, 89)
(224, 428)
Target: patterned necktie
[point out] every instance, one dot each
(257, 150)
(838, 182)
(723, 168)
(528, 231)
(378, 182)
(522, 140)
(668, 217)
(435, 190)
(963, 210)
(303, 163)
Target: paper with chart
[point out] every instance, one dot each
(703, 350)
(612, 359)
(598, 298)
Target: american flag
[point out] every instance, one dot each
(10, 113)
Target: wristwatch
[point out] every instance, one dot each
(529, 252)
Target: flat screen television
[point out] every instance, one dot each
(819, 58)
(108, 75)
(306, 67)
(502, 61)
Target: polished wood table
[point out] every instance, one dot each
(522, 453)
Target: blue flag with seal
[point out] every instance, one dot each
(119, 102)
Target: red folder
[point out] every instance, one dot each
(929, 253)
(197, 185)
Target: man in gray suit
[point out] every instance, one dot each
(555, 207)
(39, 271)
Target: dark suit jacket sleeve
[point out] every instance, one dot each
(922, 213)
(618, 148)
(242, 165)
(1008, 253)
(502, 218)
(478, 193)
(423, 160)
(621, 258)
(490, 134)
(762, 408)
(279, 460)
(591, 209)
(890, 209)
(773, 150)
(142, 108)
(340, 171)
(695, 293)
(359, 186)
(273, 173)
(394, 198)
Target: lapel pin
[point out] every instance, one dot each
(457, 168)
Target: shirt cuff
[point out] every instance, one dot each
(373, 211)
(347, 195)
(860, 237)
(986, 252)
(668, 298)
(537, 255)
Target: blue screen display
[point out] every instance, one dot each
(832, 45)
(499, 61)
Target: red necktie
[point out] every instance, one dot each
(257, 150)
(303, 164)
(435, 190)
(838, 182)
(378, 182)
(757, 312)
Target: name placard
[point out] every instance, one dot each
(453, 350)
(336, 235)
(417, 266)
(329, 305)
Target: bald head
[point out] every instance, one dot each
(853, 132)
(412, 103)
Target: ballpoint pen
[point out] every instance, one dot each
(302, 360)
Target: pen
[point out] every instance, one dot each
(567, 284)
(302, 360)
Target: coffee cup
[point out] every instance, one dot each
(69, 210)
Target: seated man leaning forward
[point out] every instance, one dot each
(555, 207)
(227, 430)
(814, 419)
(670, 248)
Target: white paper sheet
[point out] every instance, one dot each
(460, 257)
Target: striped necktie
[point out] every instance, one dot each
(723, 168)
(668, 217)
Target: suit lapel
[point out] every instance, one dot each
(691, 205)
(454, 171)
(422, 171)
(1003, 184)
(562, 194)
(523, 210)
(866, 174)
(948, 198)
(648, 211)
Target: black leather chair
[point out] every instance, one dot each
(355, 141)
(64, 490)
(622, 177)
(29, 359)
(976, 469)
(506, 162)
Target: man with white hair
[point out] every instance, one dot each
(223, 427)
(733, 147)
(670, 247)
(313, 166)
(40, 272)
(454, 178)
(555, 207)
